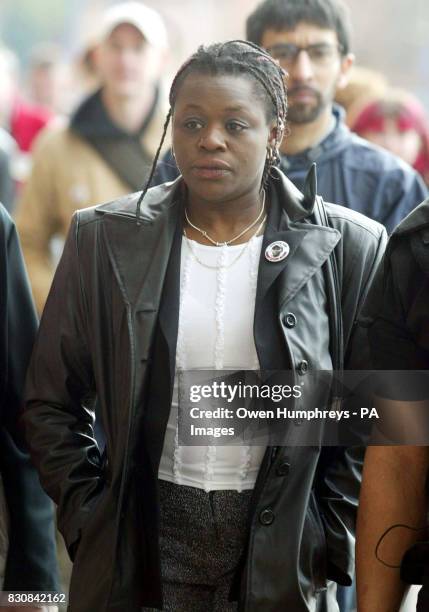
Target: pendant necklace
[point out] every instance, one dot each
(228, 242)
(242, 251)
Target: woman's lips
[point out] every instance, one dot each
(210, 172)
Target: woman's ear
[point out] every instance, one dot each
(276, 135)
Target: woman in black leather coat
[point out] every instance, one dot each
(123, 315)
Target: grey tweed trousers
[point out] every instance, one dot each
(201, 539)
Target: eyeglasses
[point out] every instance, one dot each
(320, 54)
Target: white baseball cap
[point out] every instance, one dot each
(147, 21)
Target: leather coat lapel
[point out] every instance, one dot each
(140, 255)
(311, 253)
(163, 357)
(290, 220)
(169, 309)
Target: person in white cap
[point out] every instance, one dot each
(106, 149)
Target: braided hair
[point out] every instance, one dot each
(238, 58)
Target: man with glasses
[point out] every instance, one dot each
(311, 40)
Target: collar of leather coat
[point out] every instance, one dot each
(297, 205)
(289, 219)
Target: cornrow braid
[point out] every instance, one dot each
(154, 163)
(235, 57)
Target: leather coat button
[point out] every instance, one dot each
(302, 367)
(266, 517)
(283, 469)
(290, 320)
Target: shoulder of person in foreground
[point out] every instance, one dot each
(397, 317)
(18, 322)
(397, 312)
(406, 260)
(32, 539)
(417, 221)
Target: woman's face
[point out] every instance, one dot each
(220, 136)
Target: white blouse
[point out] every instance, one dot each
(217, 305)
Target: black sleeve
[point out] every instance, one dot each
(398, 315)
(60, 392)
(31, 562)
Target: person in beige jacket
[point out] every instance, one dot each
(106, 149)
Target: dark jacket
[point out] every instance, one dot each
(110, 326)
(397, 315)
(351, 172)
(31, 561)
(398, 307)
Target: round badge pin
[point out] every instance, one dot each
(277, 251)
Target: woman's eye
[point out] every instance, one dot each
(193, 124)
(235, 126)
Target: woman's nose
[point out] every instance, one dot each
(212, 139)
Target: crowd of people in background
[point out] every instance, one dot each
(48, 91)
(76, 136)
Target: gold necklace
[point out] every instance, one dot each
(227, 242)
(245, 247)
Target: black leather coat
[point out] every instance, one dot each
(110, 328)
